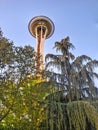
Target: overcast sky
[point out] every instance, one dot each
(77, 19)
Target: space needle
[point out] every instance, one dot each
(41, 28)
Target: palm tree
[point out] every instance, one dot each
(75, 78)
(62, 61)
(75, 75)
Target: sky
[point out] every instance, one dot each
(77, 19)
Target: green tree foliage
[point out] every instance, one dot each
(74, 81)
(76, 115)
(27, 111)
(21, 93)
(82, 116)
(53, 101)
(95, 104)
(74, 75)
(16, 63)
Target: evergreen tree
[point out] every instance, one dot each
(73, 77)
(74, 74)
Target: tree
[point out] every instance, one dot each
(51, 102)
(74, 76)
(77, 74)
(16, 63)
(25, 61)
(21, 93)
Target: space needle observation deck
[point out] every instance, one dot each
(41, 27)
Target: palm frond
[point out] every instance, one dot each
(92, 64)
(80, 61)
(53, 57)
(64, 45)
(53, 64)
(93, 75)
(71, 56)
(82, 58)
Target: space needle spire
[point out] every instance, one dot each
(40, 27)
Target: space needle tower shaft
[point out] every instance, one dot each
(40, 27)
